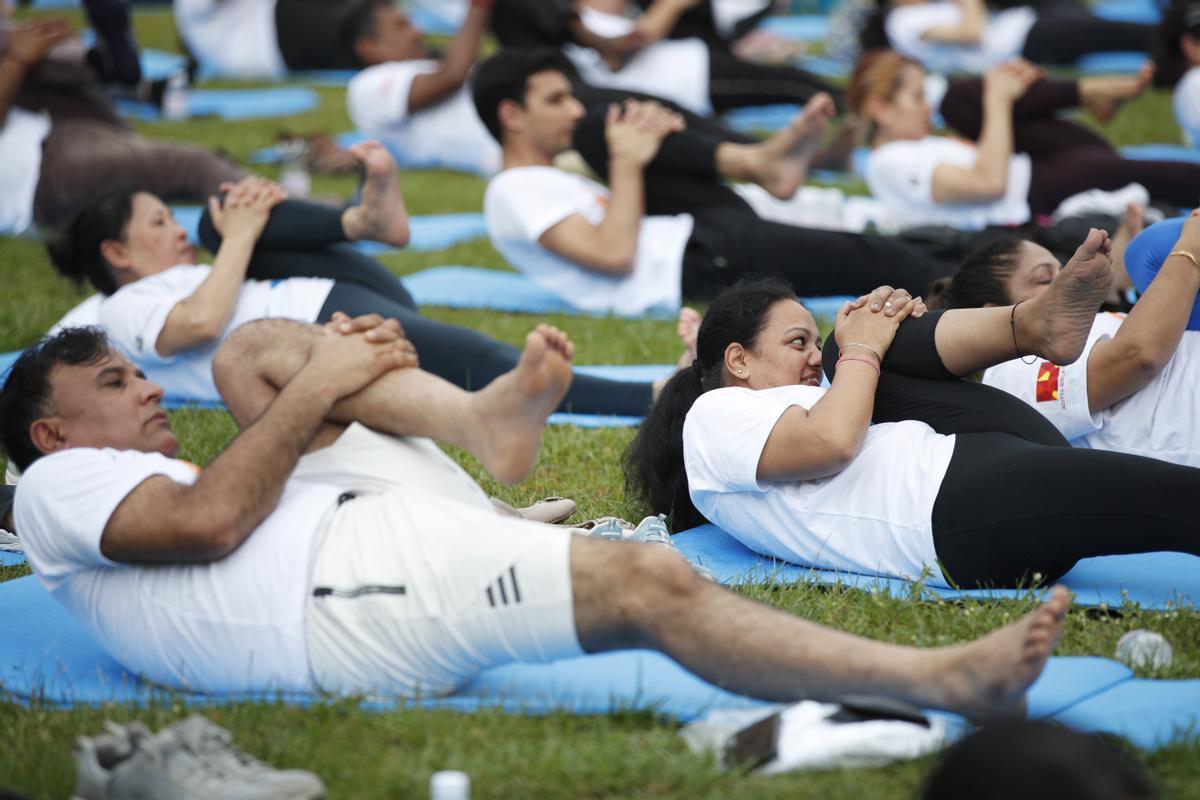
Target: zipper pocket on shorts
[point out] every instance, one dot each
(361, 591)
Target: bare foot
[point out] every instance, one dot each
(989, 677)
(512, 409)
(1056, 323)
(381, 215)
(782, 161)
(689, 329)
(1103, 95)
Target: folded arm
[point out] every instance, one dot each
(451, 74)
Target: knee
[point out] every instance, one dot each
(657, 578)
(251, 348)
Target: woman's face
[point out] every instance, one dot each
(1034, 270)
(906, 115)
(154, 241)
(788, 350)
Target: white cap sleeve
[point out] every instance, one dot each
(724, 436)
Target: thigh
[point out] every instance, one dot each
(1069, 173)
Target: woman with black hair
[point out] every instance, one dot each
(954, 481)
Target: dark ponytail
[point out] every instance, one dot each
(983, 275)
(654, 471)
(75, 250)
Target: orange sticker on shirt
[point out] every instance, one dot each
(1047, 383)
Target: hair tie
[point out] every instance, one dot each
(697, 370)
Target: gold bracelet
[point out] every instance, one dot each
(1186, 254)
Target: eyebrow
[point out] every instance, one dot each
(798, 329)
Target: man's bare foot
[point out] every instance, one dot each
(1056, 323)
(689, 329)
(512, 409)
(783, 160)
(1103, 95)
(381, 215)
(988, 678)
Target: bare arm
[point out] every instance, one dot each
(452, 71)
(1146, 341)
(967, 32)
(28, 44)
(657, 21)
(634, 134)
(165, 521)
(202, 317)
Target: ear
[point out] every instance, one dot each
(875, 107)
(115, 253)
(1189, 43)
(48, 435)
(509, 112)
(736, 364)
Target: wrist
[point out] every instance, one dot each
(1185, 253)
(27, 65)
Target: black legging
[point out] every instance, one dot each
(1017, 501)
(734, 83)
(1067, 158)
(729, 240)
(1064, 34)
(305, 240)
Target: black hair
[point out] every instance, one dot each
(1037, 760)
(1180, 17)
(982, 277)
(654, 471)
(872, 31)
(75, 250)
(357, 23)
(25, 397)
(505, 76)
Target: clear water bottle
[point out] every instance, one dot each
(175, 97)
(450, 785)
(293, 172)
(1142, 649)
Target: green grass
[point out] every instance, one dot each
(368, 754)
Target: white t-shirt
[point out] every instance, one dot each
(135, 314)
(448, 134)
(900, 175)
(1003, 37)
(21, 138)
(728, 13)
(675, 69)
(1187, 106)
(231, 625)
(1158, 421)
(521, 204)
(873, 517)
(233, 38)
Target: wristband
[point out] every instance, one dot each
(863, 359)
(868, 348)
(1186, 254)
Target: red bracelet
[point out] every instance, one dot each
(864, 359)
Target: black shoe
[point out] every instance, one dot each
(115, 56)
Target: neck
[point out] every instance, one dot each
(525, 154)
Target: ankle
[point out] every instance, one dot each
(1018, 350)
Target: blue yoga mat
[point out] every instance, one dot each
(1151, 714)
(1112, 63)
(1145, 11)
(1159, 581)
(477, 287)
(431, 22)
(799, 27)
(234, 104)
(1161, 152)
(8, 559)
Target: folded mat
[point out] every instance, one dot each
(233, 104)
(46, 655)
(1158, 581)
(477, 287)
(426, 232)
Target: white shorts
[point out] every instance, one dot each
(414, 594)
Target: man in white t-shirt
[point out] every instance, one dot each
(666, 226)
(309, 555)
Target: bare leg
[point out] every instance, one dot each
(501, 424)
(780, 164)
(632, 595)
(1053, 325)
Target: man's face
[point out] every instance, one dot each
(106, 404)
(551, 112)
(395, 38)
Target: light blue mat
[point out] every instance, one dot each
(1146, 11)
(8, 559)
(45, 654)
(234, 104)
(477, 287)
(1114, 63)
(1158, 581)
(799, 27)
(1161, 152)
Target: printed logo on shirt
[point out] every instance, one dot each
(1047, 383)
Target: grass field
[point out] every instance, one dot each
(368, 754)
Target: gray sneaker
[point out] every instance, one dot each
(653, 530)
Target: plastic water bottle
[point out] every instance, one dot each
(450, 785)
(1142, 649)
(175, 97)
(293, 173)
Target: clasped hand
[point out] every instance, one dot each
(872, 319)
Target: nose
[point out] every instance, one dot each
(577, 109)
(150, 392)
(814, 358)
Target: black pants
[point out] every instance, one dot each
(310, 33)
(1067, 158)
(1018, 503)
(734, 83)
(1063, 35)
(730, 240)
(306, 240)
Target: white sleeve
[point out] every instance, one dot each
(724, 436)
(64, 502)
(1060, 394)
(526, 204)
(903, 173)
(135, 316)
(377, 97)
(1187, 106)
(906, 25)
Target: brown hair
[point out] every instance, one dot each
(877, 74)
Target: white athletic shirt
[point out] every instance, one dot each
(873, 517)
(21, 138)
(675, 69)
(1003, 38)
(521, 204)
(1158, 421)
(448, 134)
(233, 38)
(1187, 106)
(900, 175)
(231, 625)
(728, 13)
(135, 314)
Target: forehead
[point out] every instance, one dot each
(787, 314)
(145, 204)
(1034, 255)
(71, 382)
(388, 14)
(912, 77)
(547, 82)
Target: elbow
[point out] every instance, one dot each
(216, 540)
(992, 189)
(1146, 362)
